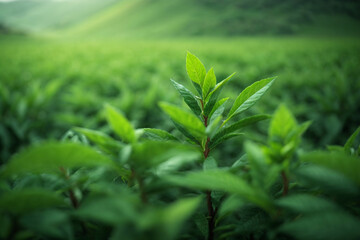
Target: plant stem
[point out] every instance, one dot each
(211, 212)
(285, 183)
(141, 186)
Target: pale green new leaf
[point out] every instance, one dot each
(282, 124)
(27, 200)
(195, 69)
(189, 98)
(209, 82)
(210, 163)
(120, 124)
(50, 157)
(218, 109)
(190, 122)
(157, 134)
(249, 96)
(213, 127)
(222, 181)
(214, 94)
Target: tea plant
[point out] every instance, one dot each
(148, 184)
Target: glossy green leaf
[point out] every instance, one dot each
(222, 181)
(340, 162)
(188, 97)
(349, 143)
(209, 83)
(249, 96)
(120, 124)
(24, 201)
(195, 69)
(50, 157)
(335, 225)
(157, 134)
(217, 141)
(212, 128)
(191, 123)
(105, 142)
(305, 203)
(214, 94)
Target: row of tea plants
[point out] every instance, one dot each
(149, 184)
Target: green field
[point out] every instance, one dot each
(100, 137)
(50, 86)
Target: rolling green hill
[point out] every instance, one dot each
(182, 18)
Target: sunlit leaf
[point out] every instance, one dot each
(120, 124)
(195, 69)
(188, 97)
(209, 82)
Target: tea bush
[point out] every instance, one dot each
(147, 183)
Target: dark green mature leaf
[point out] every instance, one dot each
(222, 181)
(120, 124)
(209, 82)
(189, 98)
(152, 153)
(305, 203)
(52, 223)
(239, 125)
(216, 142)
(157, 134)
(105, 142)
(195, 69)
(340, 162)
(249, 96)
(214, 94)
(191, 123)
(50, 157)
(335, 225)
(186, 133)
(327, 180)
(349, 143)
(24, 201)
(282, 123)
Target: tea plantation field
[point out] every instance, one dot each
(47, 87)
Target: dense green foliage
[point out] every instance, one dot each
(48, 86)
(146, 183)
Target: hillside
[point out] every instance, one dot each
(181, 18)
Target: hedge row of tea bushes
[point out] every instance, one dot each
(146, 183)
(49, 86)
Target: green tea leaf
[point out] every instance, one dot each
(51, 156)
(27, 200)
(189, 98)
(213, 127)
(209, 163)
(209, 82)
(222, 181)
(217, 141)
(191, 123)
(349, 143)
(105, 142)
(120, 124)
(305, 203)
(249, 96)
(214, 94)
(240, 125)
(157, 134)
(340, 162)
(195, 69)
(282, 123)
(336, 225)
(218, 109)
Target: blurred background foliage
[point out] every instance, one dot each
(61, 61)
